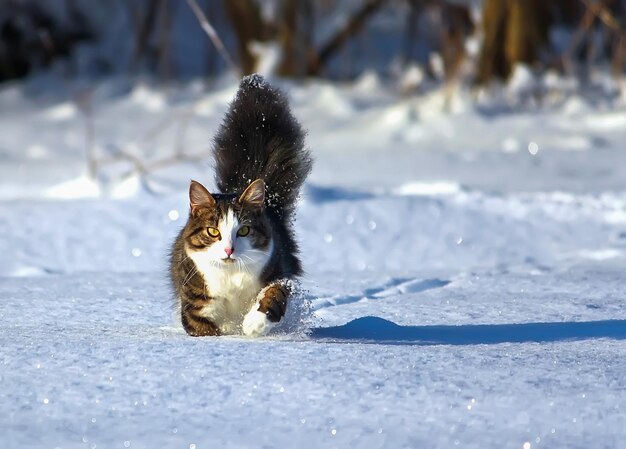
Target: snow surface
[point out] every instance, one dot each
(464, 281)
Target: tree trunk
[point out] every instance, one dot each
(144, 29)
(248, 25)
(514, 31)
(457, 25)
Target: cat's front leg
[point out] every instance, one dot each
(270, 306)
(195, 324)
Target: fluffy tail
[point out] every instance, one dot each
(260, 138)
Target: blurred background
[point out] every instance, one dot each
(471, 41)
(165, 56)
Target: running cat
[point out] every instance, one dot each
(230, 263)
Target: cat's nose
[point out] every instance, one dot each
(228, 251)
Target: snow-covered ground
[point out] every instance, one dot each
(464, 278)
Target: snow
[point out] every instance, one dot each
(460, 290)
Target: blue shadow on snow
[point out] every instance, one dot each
(372, 329)
(324, 194)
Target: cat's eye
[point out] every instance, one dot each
(213, 232)
(243, 231)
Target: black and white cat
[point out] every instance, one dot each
(230, 262)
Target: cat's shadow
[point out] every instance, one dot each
(376, 330)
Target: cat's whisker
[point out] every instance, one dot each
(190, 275)
(187, 280)
(182, 261)
(248, 257)
(246, 268)
(241, 266)
(252, 250)
(245, 264)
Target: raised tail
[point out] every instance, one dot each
(260, 138)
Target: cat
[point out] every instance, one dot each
(232, 263)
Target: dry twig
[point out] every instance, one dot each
(602, 13)
(336, 42)
(210, 31)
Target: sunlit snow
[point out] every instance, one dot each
(464, 278)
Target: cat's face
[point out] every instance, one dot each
(228, 231)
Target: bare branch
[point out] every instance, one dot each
(84, 104)
(335, 43)
(585, 24)
(145, 168)
(602, 13)
(210, 31)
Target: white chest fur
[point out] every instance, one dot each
(233, 293)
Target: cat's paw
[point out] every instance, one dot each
(267, 311)
(256, 323)
(273, 301)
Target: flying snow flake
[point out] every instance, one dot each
(333, 432)
(46, 400)
(510, 145)
(192, 446)
(459, 240)
(136, 252)
(173, 215)
(372, 225)
(126, 443)
(533, 148)
(526, 445)
(328, 238)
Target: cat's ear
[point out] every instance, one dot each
(254, 195)
(199, 197)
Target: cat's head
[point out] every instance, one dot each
(228, 231)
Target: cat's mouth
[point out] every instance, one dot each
(228, 260)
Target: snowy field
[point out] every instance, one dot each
(464, 287)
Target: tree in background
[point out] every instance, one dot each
(291, 29)
(157, 36)
(31, 37)
(518, 31)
